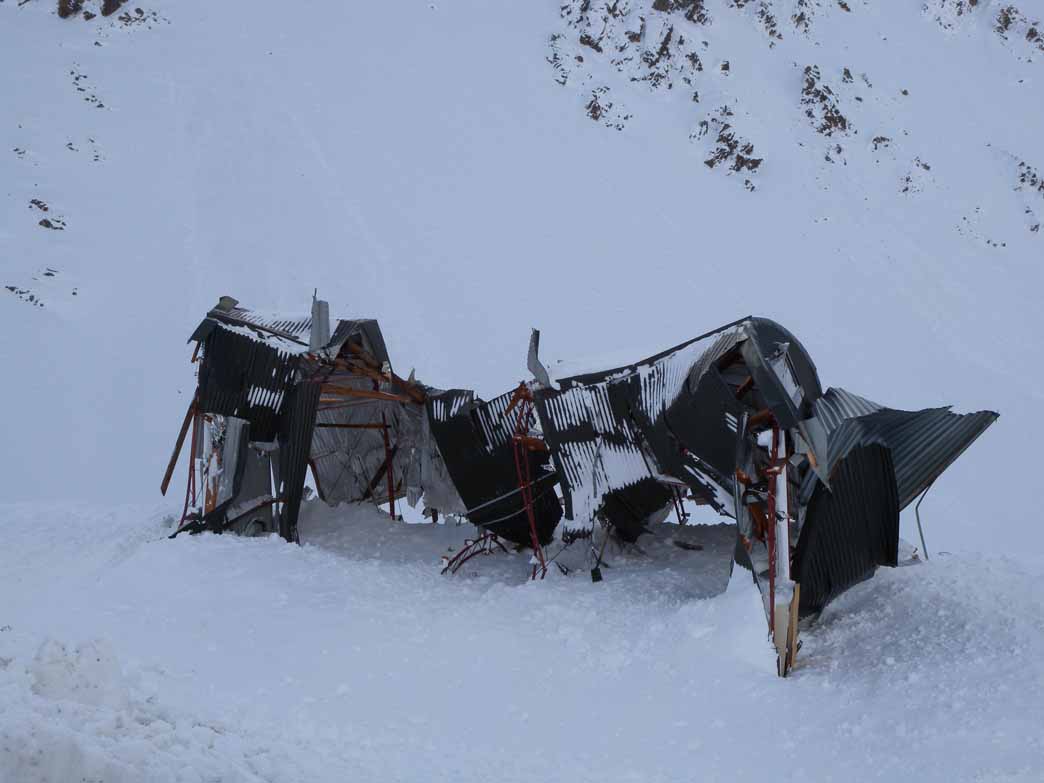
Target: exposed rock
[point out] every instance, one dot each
(821, 104)
(733, 151)
(67, 8)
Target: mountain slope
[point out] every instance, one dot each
(423, 163)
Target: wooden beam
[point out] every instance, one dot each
(180, 442)
(363, 354)
(419, 396)
(348, 391)
(360, 370)
(792, 630)
(367, 370)
(761, 523)
(380, 473)
(531, 443)
(759, 418)
(745, 387)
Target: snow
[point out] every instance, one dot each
(461, 196)
(421, 163)
(127, 657)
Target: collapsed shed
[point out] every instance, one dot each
(735, 419)
(280, 396)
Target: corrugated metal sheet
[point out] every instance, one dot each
(347, 457)
(838, 404)
(244, 378)
(476, 446)
(610, 431)
(297, 327)
(923, 443)
(295, 444)
(368, 329)
(850, 529)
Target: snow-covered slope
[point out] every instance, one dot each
(130, 657)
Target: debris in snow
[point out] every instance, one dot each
(624, 446)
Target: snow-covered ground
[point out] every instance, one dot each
(455, 169)
(129, 657)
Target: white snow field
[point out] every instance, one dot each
(463, 171)
(129, 657)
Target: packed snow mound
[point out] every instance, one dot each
(219, 657)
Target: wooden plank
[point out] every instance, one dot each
(180, 442)
(364, 355)
(792, 629)
(347, 391)
(759, 418)
(413, 390)
(531, 443)
(745, 387)
(367, 370)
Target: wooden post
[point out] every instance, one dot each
(180, 442)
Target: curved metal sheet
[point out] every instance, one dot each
(923, 443)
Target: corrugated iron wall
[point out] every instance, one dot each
(295, 446)
(850, 529)
(244, 378)
(478, 452)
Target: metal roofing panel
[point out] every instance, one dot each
(850, 529)
(294, 326)
(838, 404)
(295, 439)
(478, 451)
(923, 443)
(245, 378)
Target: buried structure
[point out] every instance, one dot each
(735, 419)
(278, 397)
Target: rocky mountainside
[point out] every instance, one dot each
(622, 174)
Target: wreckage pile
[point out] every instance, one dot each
(735, 419)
